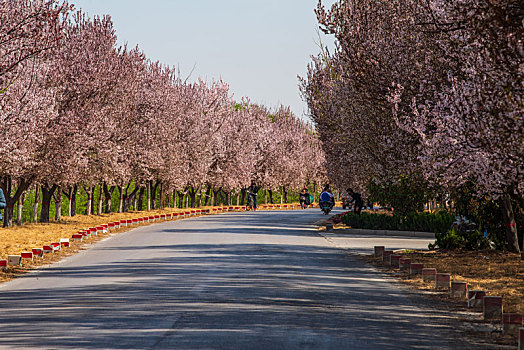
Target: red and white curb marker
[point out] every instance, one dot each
(64, 242)
(475, 298)
(512, 323)
(443, 281)
(492, 308)
(56, 246)
(429, 274)
(14, 260)
(27, 255)
(77, 237)
(48, 249)
(393, 260)
(385, 256)
(459, 289)
(404, 264)
(415, 269)
(38, 252)
(3, 265)
(379, 250)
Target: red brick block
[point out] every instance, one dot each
(3, 264)
(459, 289)
(37, 252)
(511, 323)
(416, 269)
(379, 250)
(492, 308)
(27, 255)
(393, 260)
(385, 256)
(443, 281)
(404, 264)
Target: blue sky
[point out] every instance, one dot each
(258, 47)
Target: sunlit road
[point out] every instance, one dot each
(263, 280)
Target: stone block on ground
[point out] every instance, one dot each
(492, 308)
(394, 259)
(404, 264)
(14, 260)
(27, 255)
(385, 256)
(429, 274)
(443, 281)
(416, 269)
(512, 323)
(38, 252)
(379, 250)
(459, 289)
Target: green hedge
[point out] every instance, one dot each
(439, 222)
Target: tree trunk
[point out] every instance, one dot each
(73, 200)
(161, 197)
(35, 205)
(148, 188)
(180, 199)
(510, 224)
(215, 195)
(141, 199)
(270, 192)
(100, 200)
(192, 195)
(152, 194)
(265, 196)
(90, 193)
(206, 198)
(58, 203)
(108, 193)
(7, 187)
(47, 193)
(120, 198)
(68, 194)
(284, 191)
(20, 210)
(242, 195)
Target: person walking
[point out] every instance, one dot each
(357, 198)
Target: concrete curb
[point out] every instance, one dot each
(361, 231)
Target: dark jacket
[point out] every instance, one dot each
(253, 189)
(358, 199)
(2, 202)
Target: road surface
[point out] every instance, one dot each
(263, 280)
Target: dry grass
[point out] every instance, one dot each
(498, 273)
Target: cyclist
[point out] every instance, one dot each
(327, 196)
(252, 192)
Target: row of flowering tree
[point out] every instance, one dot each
(425, 90)
(79, 113)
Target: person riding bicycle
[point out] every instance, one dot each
(305, 199)
(327, 197)
(252, 192)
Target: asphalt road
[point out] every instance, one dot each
(263, 280)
